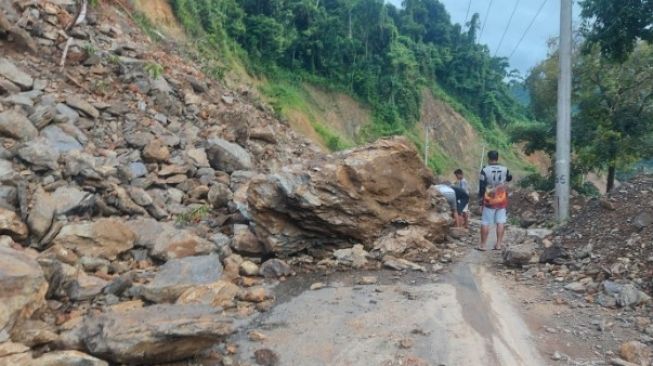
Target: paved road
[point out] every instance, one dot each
(463, 318)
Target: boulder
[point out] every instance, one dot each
(399, 242)
(520, 254)
(60, 140)
(246, 242)
(166, 242)
(16, 125)
(229, 157)
(356, 257)
(39, 153)
(70, 282)
(351, 196)
(11, 224)
(155, 334)
(105, 238)
(15, 75)
(273, 268)
(22, 288)
(217, 294)
(178, 275)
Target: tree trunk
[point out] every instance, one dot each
(610, 184)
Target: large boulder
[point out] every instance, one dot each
(22, 288)
(353, 196)
(155, 334)
(227, 156)
(178, 275)
(104, 238)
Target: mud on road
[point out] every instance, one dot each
(463, 317)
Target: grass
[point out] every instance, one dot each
(193, 215)
(286, 96)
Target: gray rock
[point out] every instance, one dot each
(519, 255)
(355, 257)
(166, 242)
(140, 196)
(40, 153)
(274, 268)
(606, 300)
(60, 140)
(78, 102)
(65, 114)
(219, 195)
(67, 358)
(198, 158)
(178, 275)
(136, 169)
(155, 334)
(575, 287)
(7, 172)
(139, 139)
(15, 75)
(22, 288)
(643, 219)
(229, 157)
(70, 199)
(246, 242)
(42, 115)
(16, 125)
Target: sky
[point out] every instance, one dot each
(534, 46)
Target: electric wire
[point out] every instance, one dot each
(505, 31)
(528, 28)
(469, 6)
(487, 15)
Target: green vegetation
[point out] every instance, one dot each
(193, 215)
(381, 55)
(153, 69)
(613, 112)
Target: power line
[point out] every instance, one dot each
(469, 6)
(528, 28)
(487, 15)
(507, 26)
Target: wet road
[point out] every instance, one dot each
(465, 317)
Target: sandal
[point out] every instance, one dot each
(480, 249)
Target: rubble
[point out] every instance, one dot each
(127, 200)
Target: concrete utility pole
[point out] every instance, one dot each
(563, 133)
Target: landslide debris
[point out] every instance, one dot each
(146, 212)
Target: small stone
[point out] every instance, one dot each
(575, 287)
(254, 294)
(248, 268)
(256, 336)
(156, 151)
(556, 356)
(317, 286)
(636, 352)
(77, 102)
(266, 357)
(368, 280)
(406, 343)
(274, 268)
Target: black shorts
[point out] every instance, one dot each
(462, 199)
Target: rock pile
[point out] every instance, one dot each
(140, 204)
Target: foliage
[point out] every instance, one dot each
(153, 69)
(380, 54)
(617, 25)
(193, 215)
(612, 124)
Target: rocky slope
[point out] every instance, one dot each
(142, 205)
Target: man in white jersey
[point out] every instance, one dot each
(493, 197)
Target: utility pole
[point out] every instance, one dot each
(563, 130)
(426, 146)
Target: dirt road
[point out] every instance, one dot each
(464, 317)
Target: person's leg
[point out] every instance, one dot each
(501, 219)
(486, 220)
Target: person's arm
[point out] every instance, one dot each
(482, 186)
(508, 176)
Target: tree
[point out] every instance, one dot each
(614, 124)
(617, 25)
